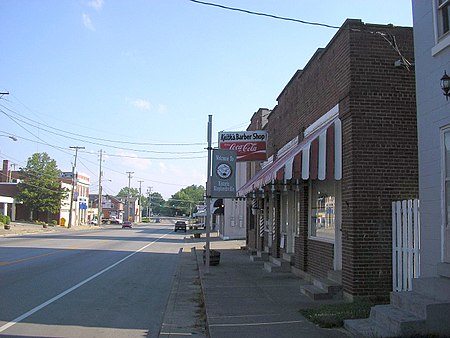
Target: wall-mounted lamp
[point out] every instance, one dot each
(445, 84)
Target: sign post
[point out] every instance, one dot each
(208, 195)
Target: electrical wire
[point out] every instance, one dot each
(102, 139)
(263, 14)
(15, 119)
(391, 41)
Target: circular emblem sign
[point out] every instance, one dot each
(223, 170)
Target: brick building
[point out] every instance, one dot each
(342, 145)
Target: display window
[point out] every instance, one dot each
(322, 210)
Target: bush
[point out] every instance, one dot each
(5, 219)
(54, 222)
(333, 315)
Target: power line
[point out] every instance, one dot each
(101, 139)
(264, 14)
(15, 119)
(391, 41)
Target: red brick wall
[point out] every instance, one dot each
(377, 108)
(380, 163)
(320, 258)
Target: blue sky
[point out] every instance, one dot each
(139, 78)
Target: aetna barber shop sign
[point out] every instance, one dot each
(249, 145)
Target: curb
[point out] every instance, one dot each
(181, 315)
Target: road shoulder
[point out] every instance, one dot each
(182, 317)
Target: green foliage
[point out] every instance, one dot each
(128, 192)
(184, 201)
(5, 219)
(333, 315)
(157, 203)
(40, 188)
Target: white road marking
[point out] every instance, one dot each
(62, 294)
(257, 324)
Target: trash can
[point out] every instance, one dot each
(214, 257)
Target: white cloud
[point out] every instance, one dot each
(97, 4)
(142, 104)
(162, 108)
(87, 22)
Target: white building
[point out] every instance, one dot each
(432, 53)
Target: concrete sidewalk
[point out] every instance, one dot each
(244, 300)
(241, 299)
(23, 228)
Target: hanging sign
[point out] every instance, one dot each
(223, 178)
(249, 145)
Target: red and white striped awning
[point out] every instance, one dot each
(318, 156)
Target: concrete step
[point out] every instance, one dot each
(444, 270)
(434, 287)
(415, 303)
(272, 267)
(329, 286)
(288, 257)
(366, 328)
(279, 262)
(335, 276)
(400, 323)
(315, 292)
(322, 288)
(260, 256)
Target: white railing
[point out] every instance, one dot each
(405, 244)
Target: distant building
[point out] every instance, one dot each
(80, 199)
(112, 208)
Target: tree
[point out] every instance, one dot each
(184, 201)
(128, 192)
(157, 203)
(40, 188)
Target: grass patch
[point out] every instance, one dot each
(333, 315)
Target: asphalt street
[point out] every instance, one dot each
(108, 282)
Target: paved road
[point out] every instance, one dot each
(100, 283)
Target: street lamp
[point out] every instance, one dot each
(12, 137)
(445, 85)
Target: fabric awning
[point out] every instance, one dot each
(318, 156)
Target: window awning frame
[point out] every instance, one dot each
(317, 156)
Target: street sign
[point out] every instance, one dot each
(249, 145)
(223, 178)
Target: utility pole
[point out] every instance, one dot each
(100, 174)
(208, 196)
(149, 192)
(139, 202)
(129, 194)
(11, 169)
(73, 184)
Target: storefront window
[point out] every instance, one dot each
(323, 210)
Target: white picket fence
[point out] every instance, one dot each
(405, 244)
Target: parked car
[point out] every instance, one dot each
(127, 224)
(180, 225)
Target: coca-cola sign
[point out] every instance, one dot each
(249, 145)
